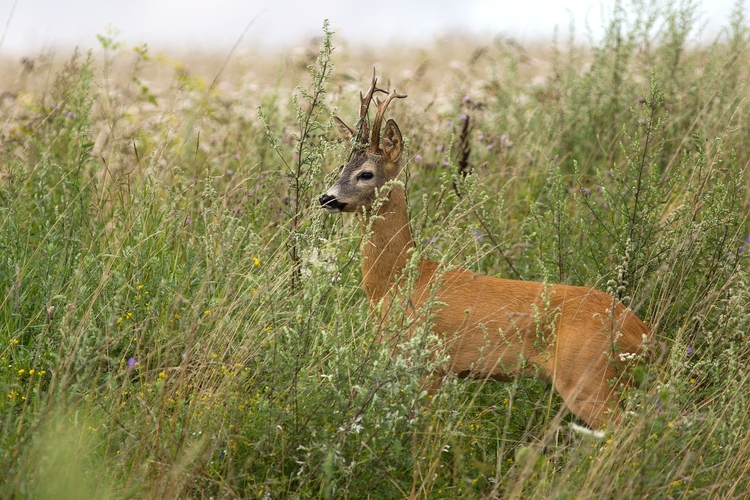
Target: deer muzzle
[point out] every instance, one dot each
(331, 203)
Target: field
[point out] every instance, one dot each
(180, 319)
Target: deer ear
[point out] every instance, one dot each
(345, 130)
(392, 144)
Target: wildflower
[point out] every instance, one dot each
(597, 188)
(21, 371)
(32, 371)
(480, 137)
(464, 118)
(689, 351)
(207, 312)
(418, 158)
(467, 98)
(230, 173)
(489, 147)
(131, 363)
(188, 221)
(14, 341)
(256, 261)
(586, 191)
(446, 163)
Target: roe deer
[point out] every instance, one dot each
(578, 338)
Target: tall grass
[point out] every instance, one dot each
(180, 320)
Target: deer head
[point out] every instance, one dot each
(372, 163)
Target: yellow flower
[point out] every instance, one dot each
(32, 371)
(14, 341)
(207, 312)
(256, 261)
(21, 371)
(119, 320)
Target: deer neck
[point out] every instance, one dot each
(385, 255)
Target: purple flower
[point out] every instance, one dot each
(418, 158)
(597, 187)
(489, 147)
(528, 155)
(747, 240)
(480, 137)
(446, 163)
(467, 98)
(641, 121)
(188, 221)
(230, 173)
(464, 118)
(641, 99)
(689, 351)
(131, 363)
(586, 191)
(477, 235)
(69, 114)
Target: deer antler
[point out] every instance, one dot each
(364, 106)
(382, 105)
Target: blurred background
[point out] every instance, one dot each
(30, 26)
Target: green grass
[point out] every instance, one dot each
(180, 319)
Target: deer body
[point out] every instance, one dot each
(576, 337)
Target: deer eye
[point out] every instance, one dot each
(366, 176)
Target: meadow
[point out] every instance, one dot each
(180, 319)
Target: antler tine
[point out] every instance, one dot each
(382, 105)
(364, 105)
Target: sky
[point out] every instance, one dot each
(28, 26)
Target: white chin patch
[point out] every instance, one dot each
(332, 210)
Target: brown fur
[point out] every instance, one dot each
(494, 328)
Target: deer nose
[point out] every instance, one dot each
(331, 204)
